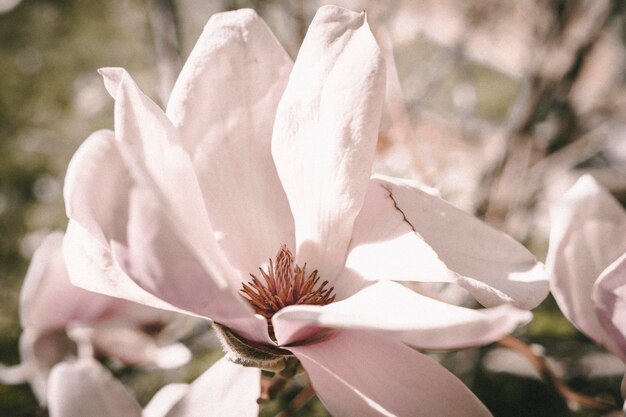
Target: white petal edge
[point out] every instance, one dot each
(588, 233)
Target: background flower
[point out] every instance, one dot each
(85, 388)
(586, 258)
(59, 320)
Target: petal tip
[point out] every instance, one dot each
(235, 18)
(112, 78)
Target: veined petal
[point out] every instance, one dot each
(588, 233)
(385, 247)
(224, 390)
(491, 265)
(223, 105)
(86, 388)
(141, 253)
(358, 373)
(609, 297)
(398, 312)
(325, 134)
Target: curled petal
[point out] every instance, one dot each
(609, 297)
(358, 373)
(325, 134)
(396, 311)
(425, 230)
(588, 233)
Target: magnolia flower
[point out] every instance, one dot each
(255, 156)
(587, 262)
(85, 388)
(54, 314)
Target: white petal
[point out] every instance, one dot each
(357, 373)
(85, 388)
(609, 296)
(224, 390)
(325, 134)
(224, 104)
(491, 265)
(165, 398)
(396, 311)
(588, 233)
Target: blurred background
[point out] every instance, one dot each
(501, 105)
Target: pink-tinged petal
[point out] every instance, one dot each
(142, 252)
(92, 267)
(491, 265)
(609, 297)
(224, 104)
(396, 311)
(165, 398)
(588, 233)
(224, 390)
(85, 388)
(325, 134)
(49, 301)
(358, 373)
(151, 149)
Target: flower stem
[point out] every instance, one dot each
(549, 376)
(298, 401)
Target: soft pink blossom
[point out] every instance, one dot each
(176, 209)
(587, 262)
(85, 388)
(59, 319)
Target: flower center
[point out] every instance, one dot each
(284, 284)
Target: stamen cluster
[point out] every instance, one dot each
(285, 284)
